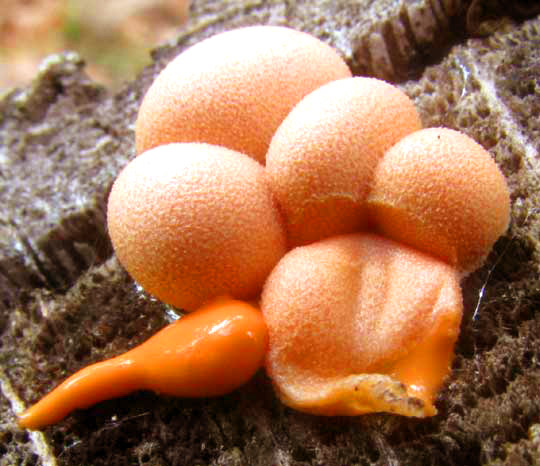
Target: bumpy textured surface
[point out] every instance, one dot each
(223, 90)
(194, 221)
(440, 192)
(323, 156)
(65, 302)
(345, 308)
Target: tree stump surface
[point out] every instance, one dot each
(65, 302)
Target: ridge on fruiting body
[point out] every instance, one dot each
(323, 155)
(190, 358)
(358, 324)
(194, 221)
(440, 192)
(235, 88)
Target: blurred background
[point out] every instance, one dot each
(114, 37)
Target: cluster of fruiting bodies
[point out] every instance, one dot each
(268, 174)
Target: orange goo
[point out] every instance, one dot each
(191, 357)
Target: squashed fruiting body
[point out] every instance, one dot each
(440, 192)
(322, 158)
(192, 357)
(358, 324)
(235, 88)
(193, 221)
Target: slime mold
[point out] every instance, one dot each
(439, 191)
(323, 156)
(235, 88)
(190, 357)
(359, 322)
(193, 221)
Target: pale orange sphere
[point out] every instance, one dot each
(322, 158)
(235, 88)
(441, 192)
(191, 222)
(359, 323)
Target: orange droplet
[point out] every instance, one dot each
(426, 365)
(207, 353)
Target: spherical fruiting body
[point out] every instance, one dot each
(441, 192)
(193, 221)
(235, 88)
(192, 357)
(359, 323)
(322, 158)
